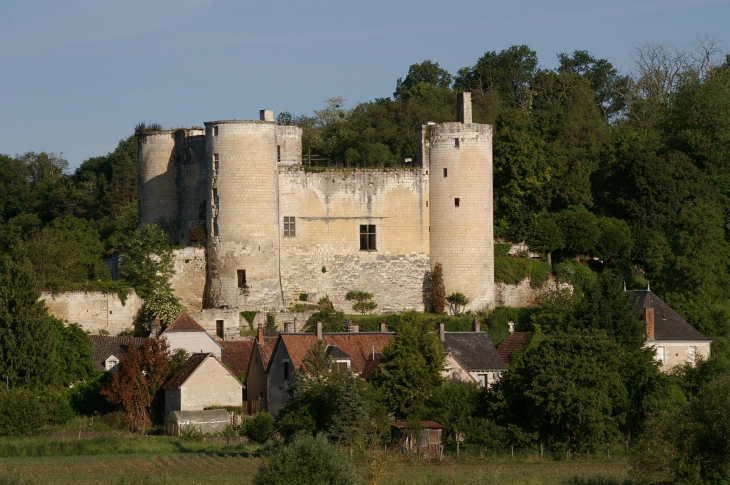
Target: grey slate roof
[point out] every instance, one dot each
(668, 325)
(104, 346)
(337, 353)
(473, 350)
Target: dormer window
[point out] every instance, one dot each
(111, 363)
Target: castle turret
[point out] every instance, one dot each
(243, 229)
(156, 166)
(459, 158)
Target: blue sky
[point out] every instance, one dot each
(78, 75)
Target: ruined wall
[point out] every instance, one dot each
(329, 208)
(188, 282)
(522, 294)
(231, 321)
(96, 312)
(192, 169)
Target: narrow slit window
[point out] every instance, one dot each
(286, 371)
(216, 232)
(241, 273)
(290, 226)
(215, 130)
(446, 172)
(456, 202)
(367, 237)
(278, 153)
(456, 142)
(219, 329)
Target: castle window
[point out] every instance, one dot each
(456, 142)
(219, 329)
(456, 202)
(367, 237)
(290, 227)
(216, 163)
(241, 277)
(215, 130)
(215, 226)
(278, 153)
(446, 172)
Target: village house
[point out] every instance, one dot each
(107, 351)
(202, 382)
(185, 333)
(470, 356)
(352, 350)
(257, 379)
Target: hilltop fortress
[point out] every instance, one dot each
(279, 234)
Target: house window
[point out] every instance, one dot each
(446, 172)
(241, 273)
(286, 370)
(290, 227)
(215, 130)
(482, 380)
(216, 162)
(343, 365)
(691, 354)
(219, 329)
(456, 142)
(367, 237)
(456, 202)
(660, 351)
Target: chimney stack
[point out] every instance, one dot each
(260, 334)
(511, 327)
(319, 330)
(476, 326)
(463, 108)
(156, 325)
(383, 327)
(649, 320)
(353, 327)
(442, 332)
(266, 115)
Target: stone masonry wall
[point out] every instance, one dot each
(94, 311)
(324, 256)
(188, 282)
(522, 294)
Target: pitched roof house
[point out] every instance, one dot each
(236, 355)
(675, 341)
(470, 356)
(107, 351)
(516, 341)
(353, 350)
(203, 381)
(256, 377)
(185, 333)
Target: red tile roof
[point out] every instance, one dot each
(513, 343)
(425, 424)
(267, 350)
(358, 345)
(184, 323)
(237, 354)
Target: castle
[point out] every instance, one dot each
(278, 233)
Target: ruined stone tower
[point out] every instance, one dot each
(156, 166)
(459, 158)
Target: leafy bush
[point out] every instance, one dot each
(260, 427)
(197, 234)
(501, 250)
(249, 315)
(514, 270)
(498, 322)
(21, 413)
(306, 460)
(577, 274)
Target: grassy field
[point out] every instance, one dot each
(229, 468)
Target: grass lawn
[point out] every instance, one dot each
(222, 468)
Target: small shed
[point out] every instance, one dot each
(429, 442)
(206, 422)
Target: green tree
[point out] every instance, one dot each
(457, 301)
(545, 236)
(614, 242)
(260, 427)
(427, 72)
(580, 230)
(363, 301)
(410, 365)
(438, 290)
(453, 405)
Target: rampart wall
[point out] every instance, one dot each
(188, 282)
(94, 311)
(522, 294)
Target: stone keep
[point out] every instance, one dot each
(277, 233)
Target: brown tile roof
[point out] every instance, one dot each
(237, 355)
(358, 345)
(371, 365)
(267, 350)
(184, 323)
(513, 343)
(186, 370)
(425, 424)
(104, 346)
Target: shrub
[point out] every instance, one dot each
(249, 315)
(260, 427)
(304, 461)
(577, 274)
(21, 413)
(498, 322)
(513, 270)
(501, 250)
(438, 291)
(197, 234)
(457, 302)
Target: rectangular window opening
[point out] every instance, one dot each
(241, 273)
(215, 130)
(456, 202)
(290, 226)
(456, 142)
(286, 371)
(215, 226)
(216, 162)
(278, 153)
(367, 237)
(219, 329)
(446, 172)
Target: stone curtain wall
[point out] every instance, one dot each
(329, 208)
(231, 321)
(94, 311)
(522, 294)
(188, 282)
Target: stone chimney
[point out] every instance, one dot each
(156, 325)
(511, 327)
(260, 334)
(463, 108)
(319, 330)
(442, 332)
(267, 115)
(476, 326)
(383, 327)
(649, 321)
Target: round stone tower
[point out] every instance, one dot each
(243, 229)
(459, 158)
(156, 166)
